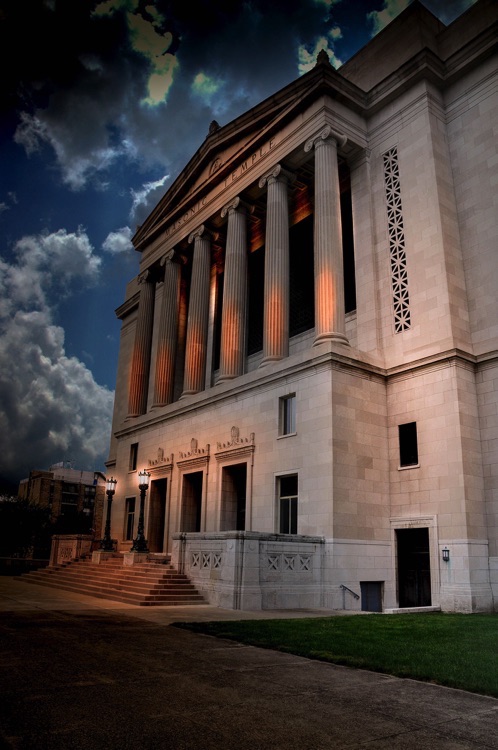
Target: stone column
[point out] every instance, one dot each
(276, 287)
(168, 330)
(329, 273)
(234, 313)
(198, 313)
(140, 363)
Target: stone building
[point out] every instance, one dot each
(309, 353)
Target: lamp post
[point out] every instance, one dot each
(110, 488)
(140, 543)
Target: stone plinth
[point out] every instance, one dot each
(134, 558)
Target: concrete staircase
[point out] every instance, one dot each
(150, 584)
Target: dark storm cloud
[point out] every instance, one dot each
(83, 75)
(51, 408)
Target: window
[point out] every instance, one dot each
(133, 456)
(129, 518)
(287, 416)
(69, 499)
(408, 445)
(287, 500)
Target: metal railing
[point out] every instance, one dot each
(344, 589)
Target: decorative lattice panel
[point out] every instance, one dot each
(399, 276)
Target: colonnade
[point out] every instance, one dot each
(329, 286)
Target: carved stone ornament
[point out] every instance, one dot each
(277, 173)
(235, 441)
(324, 135)
(161, 459)
(195, 451)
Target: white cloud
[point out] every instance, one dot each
(146, 198)
(307, 55)
(391, 9)
(78, 160)
(50, 405)
(205, 86)
(118, 242)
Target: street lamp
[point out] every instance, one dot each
(110, 488)
(140, 543)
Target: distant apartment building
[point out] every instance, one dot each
(68, 493)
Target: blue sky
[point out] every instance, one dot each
(102, 104)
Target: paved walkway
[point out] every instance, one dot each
(79, 672)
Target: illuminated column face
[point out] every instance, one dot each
(168, 331)
(140, 364)
(198, 313)
(276, 288)
(329, 273)
(233, 320)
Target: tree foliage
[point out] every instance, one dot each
(24, 527)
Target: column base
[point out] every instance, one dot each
(334, 337)
(189, 393)
(270, 360)
(225, 378)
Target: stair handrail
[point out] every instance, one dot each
(344, 589)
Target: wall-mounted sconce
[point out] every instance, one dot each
(446, 554)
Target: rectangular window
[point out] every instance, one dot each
(133, 456)
(129, 518)
(287, 500)
(287, 416)
(408, 445)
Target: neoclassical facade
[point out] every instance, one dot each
(309, 352)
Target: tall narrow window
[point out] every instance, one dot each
(408, 444)
(287, 416)
(129, 518)
(133, 457)
(287, 500)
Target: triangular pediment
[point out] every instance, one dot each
(240, 142)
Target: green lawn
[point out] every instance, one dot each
(456, 650)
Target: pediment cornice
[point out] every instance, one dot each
(227, 145)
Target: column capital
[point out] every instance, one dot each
(277, 173)
(237, 204)
(326, 134)
(147, 277)
(171, 256)
(203, 232)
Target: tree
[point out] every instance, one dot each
(24, 527)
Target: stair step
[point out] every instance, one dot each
(154, 583)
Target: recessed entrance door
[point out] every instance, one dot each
(233, 498)
(157, 514)
(191, 502)
(414, 567)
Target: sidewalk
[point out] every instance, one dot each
(78, 672)
(16, 595)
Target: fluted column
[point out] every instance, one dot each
(276, 287)
(140, 363)
(168, 330)
(233, 318)
(329, 273)
(198, 313)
